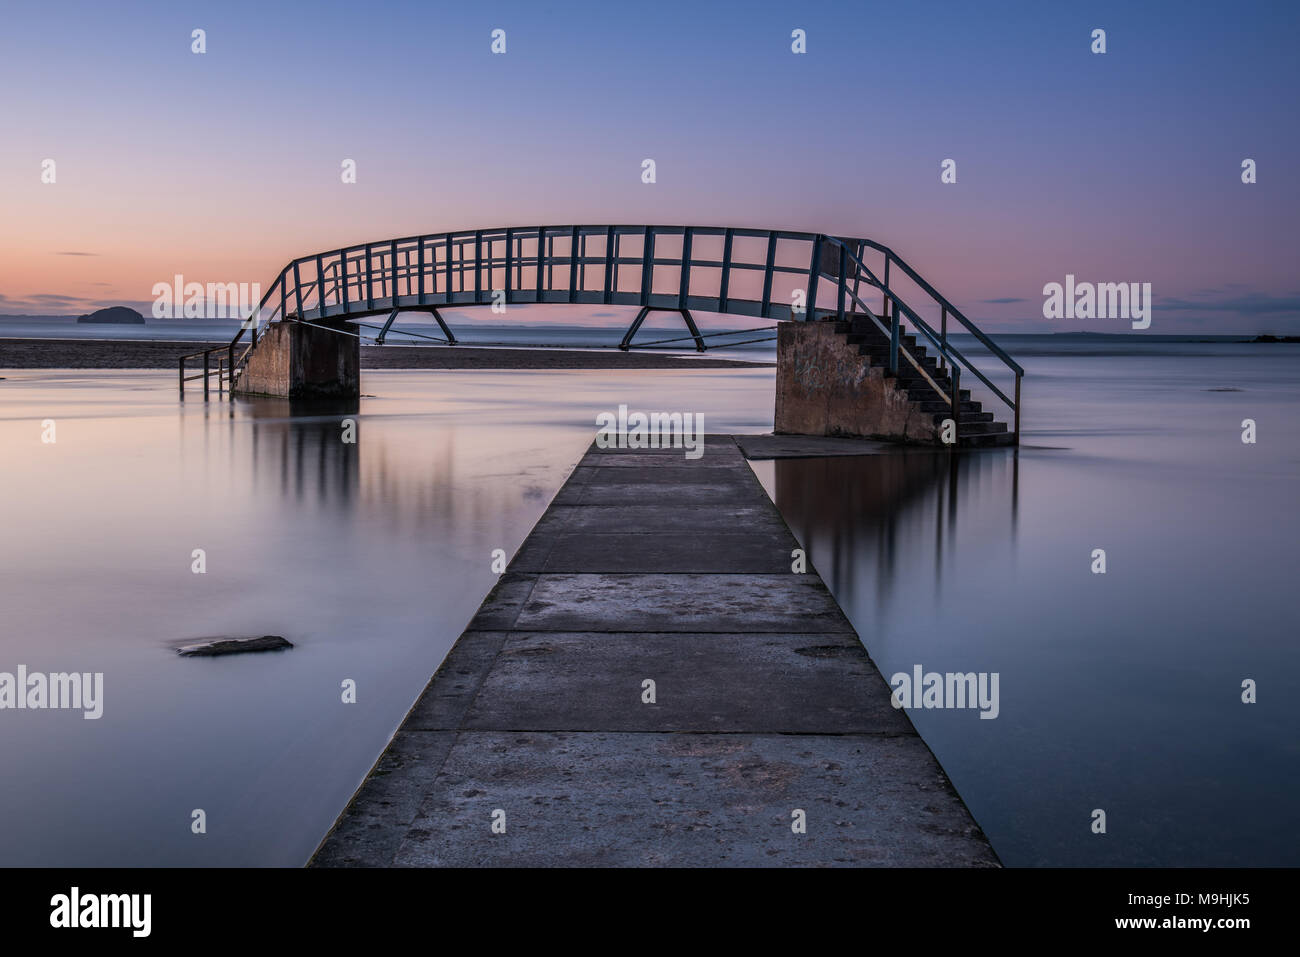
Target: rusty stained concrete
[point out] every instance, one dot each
(823, 387)
(304, 361)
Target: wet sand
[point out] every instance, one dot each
(123, 354)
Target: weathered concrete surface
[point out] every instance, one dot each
(824, 387)
(765, 702)
(757, 447)
(605, 799)
(302, 361)
(267, 370)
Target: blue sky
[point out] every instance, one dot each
(222, 166)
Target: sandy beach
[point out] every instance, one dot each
(126, 354)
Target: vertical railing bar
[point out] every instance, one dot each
(447, 291)
(893, 342)
(724, 289)
(647, 265)
(320, 286)
(766, 310)
(419, 271)
(297, 288)
(609, 262)
(943, 337)
(684, 283)
(1017, 408)
(478, 265)
(510, 240)
(956, 401)
(810, 311)
(345, 281)
(884, 293)
(541, 261)
(573, 265)
(843, 283)
(618, 242)
(370, 288)
(857, 273)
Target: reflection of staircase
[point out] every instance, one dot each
(975, 427)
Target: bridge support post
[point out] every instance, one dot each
(825, 386)
(303, 360)
(700, 345)
(379, 339)
(690, 324)
(632, 329)
(446, 329)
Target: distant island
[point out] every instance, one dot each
(118, 315)
(1173, 337)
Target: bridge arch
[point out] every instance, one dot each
(768, 274)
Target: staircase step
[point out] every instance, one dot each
(967, 418)
(981, 428)
(986, 440)
(875, 342)
(880, 357)
(879, 354)
(926, 394)
(910, 380)
(938, 405)
(976, 428)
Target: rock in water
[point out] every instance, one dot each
(233, 646)
(114, 314)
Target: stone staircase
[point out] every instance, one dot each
(975, 427)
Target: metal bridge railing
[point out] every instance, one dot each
(767, 274)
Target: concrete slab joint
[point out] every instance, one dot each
(766, 736)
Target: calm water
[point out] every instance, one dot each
(370, 558)
(1118, 691)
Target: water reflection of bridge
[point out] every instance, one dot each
(325, 455)
(864, 519)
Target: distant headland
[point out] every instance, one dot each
(118, 315)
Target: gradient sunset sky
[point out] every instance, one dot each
(223, 166)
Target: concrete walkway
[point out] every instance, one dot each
(650, 566)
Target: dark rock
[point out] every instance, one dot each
(118, 315)
(233, 646)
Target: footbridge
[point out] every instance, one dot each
(863, 339)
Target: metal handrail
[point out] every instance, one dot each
(940, 340)
(480, 266)
(952, 310)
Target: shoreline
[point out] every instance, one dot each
(150, 354)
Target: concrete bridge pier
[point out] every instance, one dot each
(833, 379)
(299, 360)
(825, 387)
